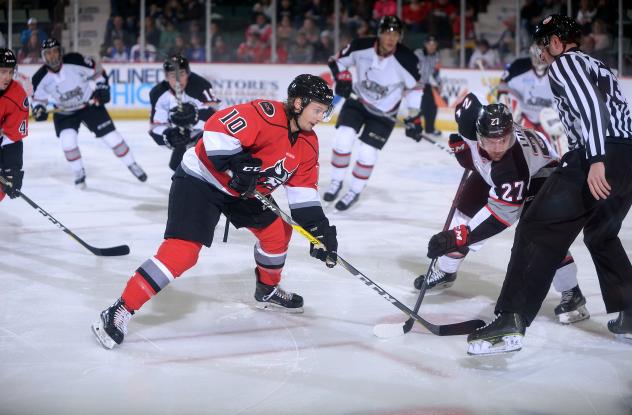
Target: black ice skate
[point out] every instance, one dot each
(80, 180)
(622, 326)
(273, 298)
(502, 335)
(347, 200)
(111, 327)
(437, 279)
(332, 192)
(572, 307)
(138, 172)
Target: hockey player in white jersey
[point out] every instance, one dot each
(386, 70)
(524, 88)
(66, 82)
(180, 105)
(509, 165)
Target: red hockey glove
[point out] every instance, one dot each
(344, 84)
(449, 241)
(461, 151)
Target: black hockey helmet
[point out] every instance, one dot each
(564, 27)
(49, 44)
(494, 126)
(7, 58)
(176, 61)
(390, 24)
(311, 88)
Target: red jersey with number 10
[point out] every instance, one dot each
(14, 113)
(260, 128)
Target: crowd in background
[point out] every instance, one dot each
(304, 33)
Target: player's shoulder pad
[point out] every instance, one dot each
(271, 112)
(408, 60)
(196, 85)
(74, 58)
(38, 76)
(16, 94)
(157, 91)
(511, 168)
(358, 44)
(466, 114)
(515, 68)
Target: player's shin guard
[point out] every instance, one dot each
(121, 150)
(341, 154)
(173, 258)
(69, 145)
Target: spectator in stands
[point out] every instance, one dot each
(324, 48)
(179, 47)
(550, 7)
(588, 44)
(317, 11)
(414, 15)
(252, 50)
(603, 41)
(261, 28)
(440, 22)
(196, 52)
(149, 55)
(195, 29)
(3, 43)
(152, 33)
(193, 9)
(25, 36)
(301, 51)
(117, 31)
(285, 8)
(168, 37)
(173, 12)
(221, 52)
(484, 56)
(311, 31)
(118, 52)
(585, 14)
(363, 30)
(606, 11)
(530, 15)
(383, 8)
(470, 34)
(30, 53)
(263, 7)
(285, 31)
(155, 12)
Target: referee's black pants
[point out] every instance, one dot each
(428, 109)
(563, 207)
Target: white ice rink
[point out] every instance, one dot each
(199, 347)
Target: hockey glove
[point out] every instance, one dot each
(461, 151)
(449, 241)
(176, 137)
(39, 113)
(184, 116)
(326, 234)
(14, 176)
(101, 93)
(344, 84)
(413, 127)
(246, 171)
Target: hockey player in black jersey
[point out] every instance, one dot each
(386, 70)
(509, 164)
(65, 81)
(180, 105)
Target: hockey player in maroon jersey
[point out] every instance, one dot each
(258, 145)
(14, 123)
(509, 165)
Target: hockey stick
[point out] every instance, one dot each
(113, 251)
(455, 329)
(226, 227)
(386, 331)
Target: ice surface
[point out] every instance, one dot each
(199, 347)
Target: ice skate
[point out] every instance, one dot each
(502, 335)
(347, 200)
(332, 191)
(622, 326)
(273, 298)
(437, 279)
(80, 179)
(138, 172)
(572, 307)
(111, 327)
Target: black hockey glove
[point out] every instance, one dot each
(14, 176)
(101, 93)
(176, 137)
(326, 234)
(246, 171)
(344, 84)
(453, 240)
(185, 116)
(413, 127)
(39, 113)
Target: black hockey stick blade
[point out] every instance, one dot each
(113, 251)
(387, 331)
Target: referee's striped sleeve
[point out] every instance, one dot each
(584, 98)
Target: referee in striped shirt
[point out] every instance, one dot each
(429, 79)
(591, 189)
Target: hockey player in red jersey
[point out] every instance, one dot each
(258, 145)
(14, 123)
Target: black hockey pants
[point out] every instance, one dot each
(563, 207)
